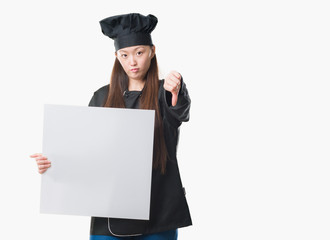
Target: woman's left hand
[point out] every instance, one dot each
(172, 84)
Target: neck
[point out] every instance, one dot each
(135, 85)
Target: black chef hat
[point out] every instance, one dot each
(129, 29)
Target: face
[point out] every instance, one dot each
(136, 60)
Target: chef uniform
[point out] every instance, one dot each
(168, 207)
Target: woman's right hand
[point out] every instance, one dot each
(42, 162)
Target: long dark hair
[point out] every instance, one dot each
(149, 100)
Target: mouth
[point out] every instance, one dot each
(134, 69)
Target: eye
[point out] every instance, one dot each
(124, 55)
(139, 53)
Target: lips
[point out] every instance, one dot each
(134, 69)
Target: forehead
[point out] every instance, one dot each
(133, 48)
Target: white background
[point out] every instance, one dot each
(254, 157)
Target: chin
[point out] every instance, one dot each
(136, 76)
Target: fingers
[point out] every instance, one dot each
(172, 82)
(43, 165)
(174, 78)
(176, 74)
(174, 99)
(174, 89)
(35, 155)
(171, 87)
(38, 156)
(42, 162)
(41, 171)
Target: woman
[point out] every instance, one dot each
(135, 84)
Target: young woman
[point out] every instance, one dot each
(135, 84)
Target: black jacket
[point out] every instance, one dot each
(168, 207)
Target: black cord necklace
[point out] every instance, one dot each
(126, 92)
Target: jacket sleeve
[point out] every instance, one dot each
(179, 113)
(99, 97)
(92, 102)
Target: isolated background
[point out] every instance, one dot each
(255, 156)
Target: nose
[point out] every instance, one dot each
(132, 61)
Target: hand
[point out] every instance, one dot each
(42, 162)
(172, 84)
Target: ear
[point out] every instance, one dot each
(117, 56)
(153, 51)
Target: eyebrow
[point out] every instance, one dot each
(133, 49)
(139, 47)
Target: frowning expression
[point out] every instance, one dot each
(136, 60)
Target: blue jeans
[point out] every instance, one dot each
(168, 235)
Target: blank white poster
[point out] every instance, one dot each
(101, 161)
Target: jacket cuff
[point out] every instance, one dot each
(180, 112)
(168, 95)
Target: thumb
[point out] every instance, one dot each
(174, 98)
